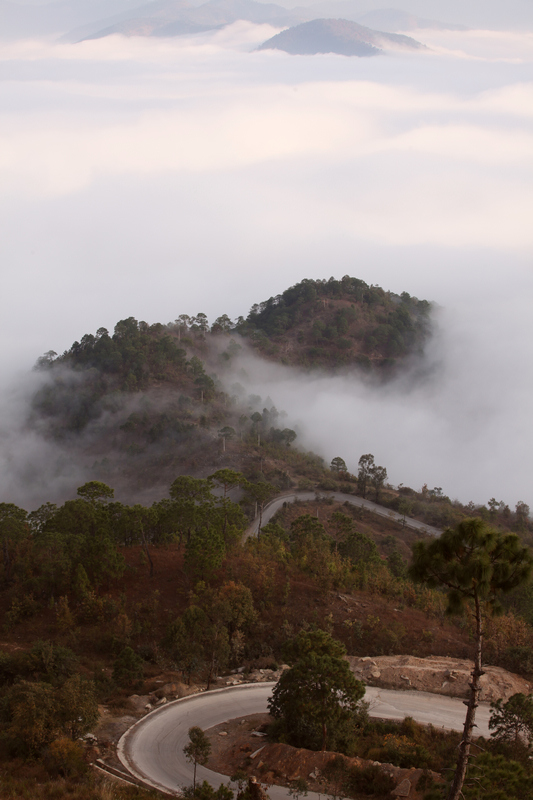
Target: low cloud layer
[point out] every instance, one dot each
(462, 423)
(32, 470)
(157, 177)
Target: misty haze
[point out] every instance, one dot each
(155, 175)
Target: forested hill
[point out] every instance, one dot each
(137, 406)
(327, 323)
(333, 322)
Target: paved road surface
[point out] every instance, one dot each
(289, 497)
(152, 749)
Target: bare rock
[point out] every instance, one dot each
(403, 789)
(261, 675)
(441, 675)
(182, 690)
(138, 703)
(236, 680)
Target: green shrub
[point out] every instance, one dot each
(494, 777)
(204, 791)
(369, 780)
(52, 662)
(21, 608)
(128, 668)
(65, 757)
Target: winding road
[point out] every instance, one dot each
(152, 750)
(289, 497)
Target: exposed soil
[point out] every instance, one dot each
(234, 742)
(449, 676)
(237, 745)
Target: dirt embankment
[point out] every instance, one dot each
(240, 745)
(440, 675)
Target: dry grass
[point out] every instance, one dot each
(29, 780)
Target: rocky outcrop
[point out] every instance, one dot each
(440, 675)
(257, 676)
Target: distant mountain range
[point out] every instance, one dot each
(393, 20)
(178, 17)
(57, 17)
(79, 19)
(337, 36)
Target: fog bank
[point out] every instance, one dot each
(462, 424)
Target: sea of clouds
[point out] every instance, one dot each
(154, 177)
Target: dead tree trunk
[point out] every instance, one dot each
(464, 748)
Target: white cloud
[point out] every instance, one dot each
(464, 428)
(514, 100)
(466, 142)
(512, 47)
(60, 158)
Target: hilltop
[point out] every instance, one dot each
(338, 36)
(147, 402)
(339, 323)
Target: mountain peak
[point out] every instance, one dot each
(340, 36)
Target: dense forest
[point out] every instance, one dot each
(339, 322)
(316, 322)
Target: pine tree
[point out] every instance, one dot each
(198, 749)
(475, 565)
(319, 694)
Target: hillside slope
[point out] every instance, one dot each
(339, 36)
(148, 402)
